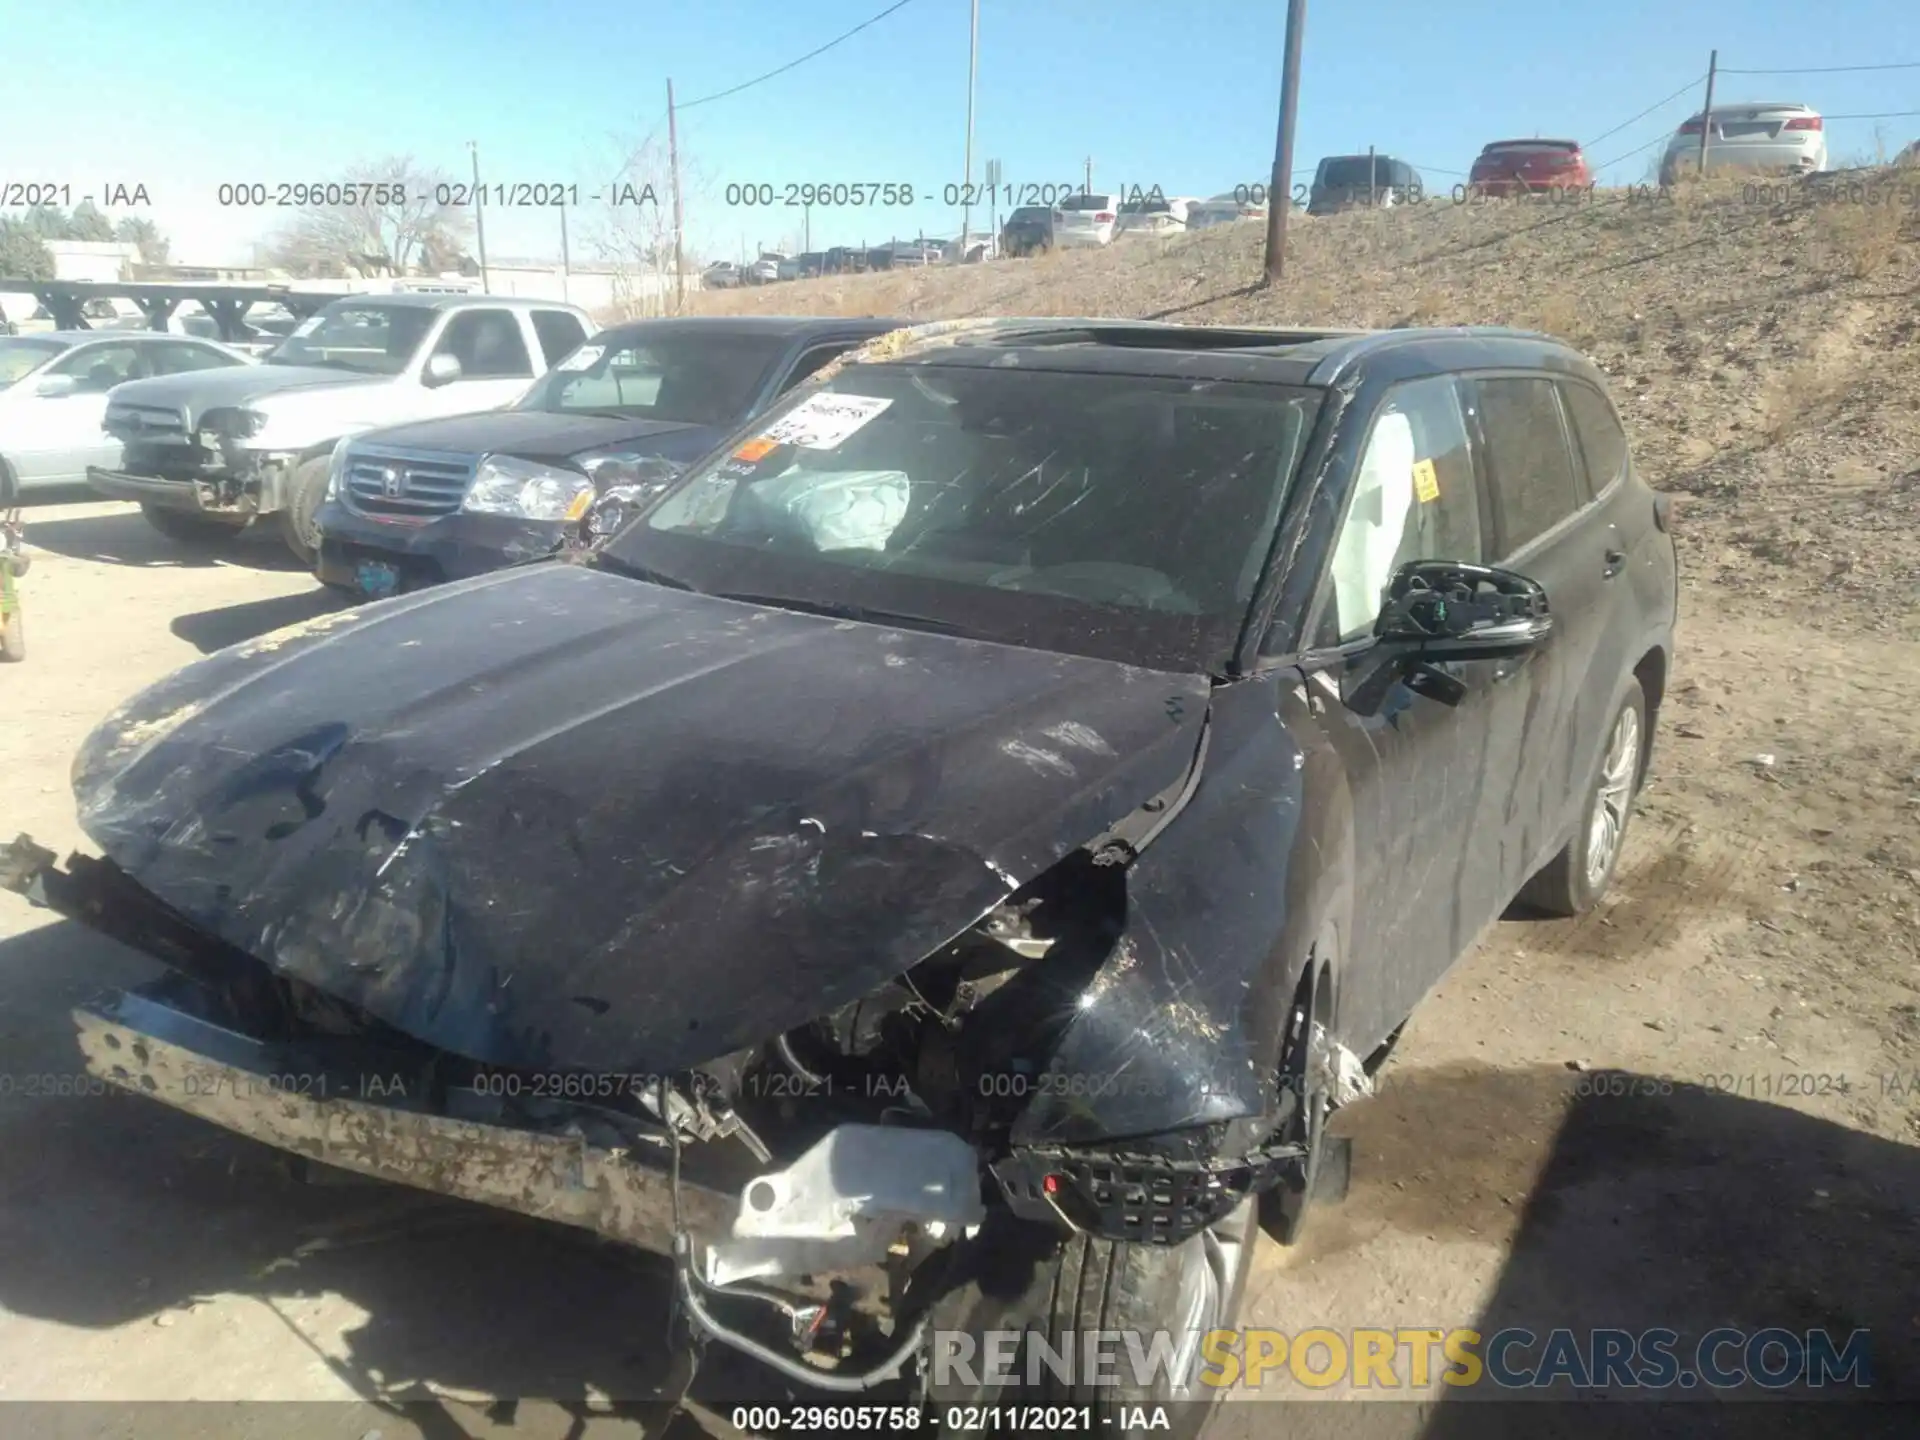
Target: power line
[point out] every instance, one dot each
(705, 99)
(1638, 149)
(1648, 111)
(1826, 69)
(1876, 115)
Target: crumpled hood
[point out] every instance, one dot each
(555, 816)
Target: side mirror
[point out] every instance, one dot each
(1439, 611)
(442, 369)
(52, 387)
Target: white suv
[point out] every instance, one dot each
(1085, 221)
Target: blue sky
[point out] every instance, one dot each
(186, 94)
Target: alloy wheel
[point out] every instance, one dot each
(1613, 797)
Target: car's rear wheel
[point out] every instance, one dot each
(189, 528)
(1574, 880)
(299, 526)
(1093, 1292)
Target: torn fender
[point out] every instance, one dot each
(560, 817)
(1181, 1026)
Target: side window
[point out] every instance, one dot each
(1414, 497)
(169, 358)
(1601, 439)
(488, 345)
(811, 363)
(560, 334)
(1535, 486)
(96, 369)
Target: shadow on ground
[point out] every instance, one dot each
(210, 630)
(1643, 1203)
(126, 538)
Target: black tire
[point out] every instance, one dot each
(1574, 880)
(188, 528)
(13, 636)
(306, 490)
(1036, 1284)
(1306, 1090)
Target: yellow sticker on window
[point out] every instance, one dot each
(1426, 483)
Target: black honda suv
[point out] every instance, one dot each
(603, 430)
(964, 838)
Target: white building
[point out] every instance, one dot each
(101, 261)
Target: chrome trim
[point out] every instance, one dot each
(405, 486)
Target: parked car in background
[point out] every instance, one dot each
(1350, 182)
(1153, 713)
(1758, 137)
(610, 425)
(791, 267)
(846, 260)
(880, 258)
(917, 252)
(206, 454)
(25, 314)
(1523, 167)
(721, 275)
(1222, 210)
(1085, 221)
(54, 395)
(1162, 215)
(1028, 230)
(765, 270)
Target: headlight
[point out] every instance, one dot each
(337, 471)
(527, 491)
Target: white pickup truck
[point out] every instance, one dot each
(207, 453)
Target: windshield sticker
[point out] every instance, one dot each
(756, 450)
(583, 358)
(1426, 481)
(306, 327)
(823, 422)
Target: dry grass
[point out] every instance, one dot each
(1860, 235)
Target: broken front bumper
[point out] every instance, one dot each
(358, 1115)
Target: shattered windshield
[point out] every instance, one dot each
(1112, 515)
(370, 339)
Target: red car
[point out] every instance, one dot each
(1520, 167)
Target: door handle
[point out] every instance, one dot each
(1616, 562)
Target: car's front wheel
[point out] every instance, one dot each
(1114, 1298)
(1574, 880)
(299, 525)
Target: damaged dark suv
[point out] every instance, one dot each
(936, 869)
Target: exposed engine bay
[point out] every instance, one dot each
(806, 1187)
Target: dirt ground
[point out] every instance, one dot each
(1754, 979)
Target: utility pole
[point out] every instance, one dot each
(1280, 192)
(973, 74)
(566, 264)
(1086, 186)
(673, 163)
(479, 219)
(1706, 117)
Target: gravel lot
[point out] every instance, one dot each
(1752, 979)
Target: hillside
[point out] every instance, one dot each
(1766, 356)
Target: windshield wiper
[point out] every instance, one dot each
(865, 614)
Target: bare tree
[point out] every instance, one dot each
(632, 233)
(391, 215)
